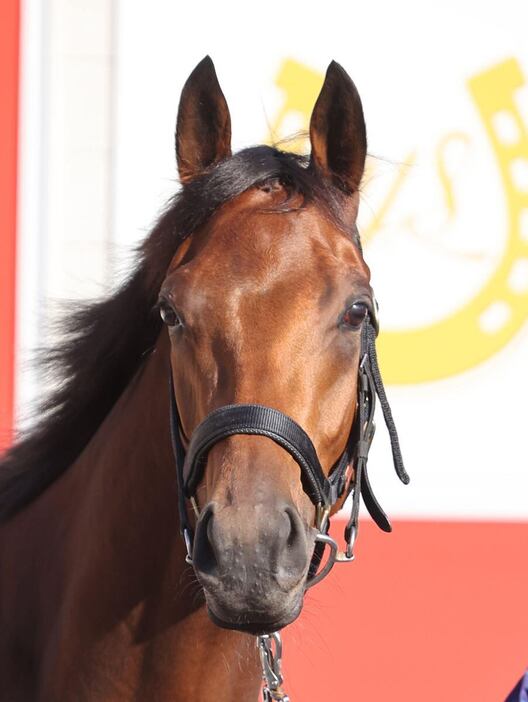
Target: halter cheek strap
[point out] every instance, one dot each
(323, 491)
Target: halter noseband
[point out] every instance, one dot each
(324, 492)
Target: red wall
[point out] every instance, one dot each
(434, 612)
(9, 62)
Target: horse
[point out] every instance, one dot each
(250, 307)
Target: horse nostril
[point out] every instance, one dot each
(269, 541)
(292, 551)
(204, 553)
(293, 522)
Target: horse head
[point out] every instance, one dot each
(264, 304)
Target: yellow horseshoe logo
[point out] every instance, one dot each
(486, 323)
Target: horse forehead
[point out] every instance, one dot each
(253, 242)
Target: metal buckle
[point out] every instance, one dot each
(347, 556)
(322, 512)
(363, 362)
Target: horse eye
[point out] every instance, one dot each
(168, 315)
(355, 315)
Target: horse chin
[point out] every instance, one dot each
(251, 620)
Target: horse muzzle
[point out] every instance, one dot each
(252, 562)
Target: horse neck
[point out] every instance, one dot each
(130, 596)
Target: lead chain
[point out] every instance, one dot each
(271, 667)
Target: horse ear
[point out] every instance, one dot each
(337, 130)
(203, 128)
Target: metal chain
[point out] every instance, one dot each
(271, 667)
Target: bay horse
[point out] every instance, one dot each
(251, 288)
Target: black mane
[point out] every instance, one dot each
(105, 342)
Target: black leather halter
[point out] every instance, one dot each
(323, 491)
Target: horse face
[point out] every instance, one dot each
(264, 305)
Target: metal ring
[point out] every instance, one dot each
(327, 541)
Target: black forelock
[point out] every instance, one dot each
(252, 167)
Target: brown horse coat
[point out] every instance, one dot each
(259, 272)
